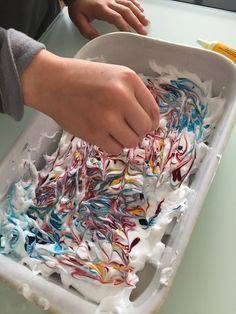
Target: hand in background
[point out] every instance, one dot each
(124, 14)
(106, 105)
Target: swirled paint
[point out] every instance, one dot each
(93, 217)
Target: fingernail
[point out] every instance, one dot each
(147, 20)
(143, 31)
(93, 35)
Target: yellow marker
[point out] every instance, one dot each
(220, 48)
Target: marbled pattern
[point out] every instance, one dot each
(89, 216)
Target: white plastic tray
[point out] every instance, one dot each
(134, 51)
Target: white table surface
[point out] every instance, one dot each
(206, 279)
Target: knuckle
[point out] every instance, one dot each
(116, 17)
(129, 4)
(125, 10)
(118, 93)
(99, 6)
(129, 74)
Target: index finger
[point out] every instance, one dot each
(147, 101)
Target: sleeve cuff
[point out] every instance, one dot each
(17, 51)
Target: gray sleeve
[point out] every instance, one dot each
(16, 52)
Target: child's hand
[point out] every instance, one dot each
(107, 105)
(124, 14)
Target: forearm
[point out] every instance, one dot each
(16, 52)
